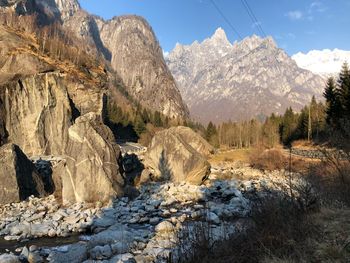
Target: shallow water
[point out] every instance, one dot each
(6, 246)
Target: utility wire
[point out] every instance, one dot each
(234, 30)
(226, 19)
(258, 24)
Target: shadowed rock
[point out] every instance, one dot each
(18, 176)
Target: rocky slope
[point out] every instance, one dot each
(54, 107)
(221, 81)
(128, 42)
(147, 228)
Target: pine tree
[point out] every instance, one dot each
(344, 89)
(211, 131)
(157, 119)
(139, 124)
(288, 126)
(145, 116)
(334, 109)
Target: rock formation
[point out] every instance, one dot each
(91, 170)
(48, 109)
(18, 176)
(128, 42)
(137, 58)
(172, 156)
(252, 78)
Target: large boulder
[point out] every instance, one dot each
(194, 139)
(91, 171)
(172, 157)
(18, 176)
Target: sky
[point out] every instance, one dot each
(296, 25)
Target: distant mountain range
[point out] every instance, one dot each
(323, 62)
(221, 81)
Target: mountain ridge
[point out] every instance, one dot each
(324, 62)
(242, 80)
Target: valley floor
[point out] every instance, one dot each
(166, 221)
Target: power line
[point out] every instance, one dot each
(250, 12)
(254, 19)
(258, 24)
(226, 19)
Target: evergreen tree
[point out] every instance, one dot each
(334, 109)
(157, 119)
(211, 131)
(288, 126)
(139, 124)
(344, 89)
(145, 116)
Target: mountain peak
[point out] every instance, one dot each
(220, 34)
(255, 41)
(67, 7)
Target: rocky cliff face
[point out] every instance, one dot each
(46, 110)
(131, 46)
(222, 81)
(137, 58)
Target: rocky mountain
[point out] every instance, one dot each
(323, 62)
(221, 81)
(53, 107)
(127, 42)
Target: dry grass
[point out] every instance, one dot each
(282, 233)
(241, 155)
(269, 160)
(304, 144)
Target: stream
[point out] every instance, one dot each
(11, 246)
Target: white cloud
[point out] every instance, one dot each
(317, 6)
(295, 15)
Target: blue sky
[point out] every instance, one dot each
(296, 25)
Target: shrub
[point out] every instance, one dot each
(268, 159)
(279, 229)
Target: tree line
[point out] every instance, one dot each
(317, 122)
(52, 40)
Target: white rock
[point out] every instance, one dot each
(9, 258)
(164, 226)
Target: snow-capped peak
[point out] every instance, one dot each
(323, 62)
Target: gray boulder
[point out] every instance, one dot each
(18, 176)
(91, 171)
(173, 155)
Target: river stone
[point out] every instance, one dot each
(91, 171)
(101, 252)
(18, 176)
(213, 218)
(75, 253)
(9, 258)
(164, 226)
(172, 157)
(114, 234)
(40, 230)
(34, 257)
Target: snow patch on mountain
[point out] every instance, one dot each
(322, 62)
